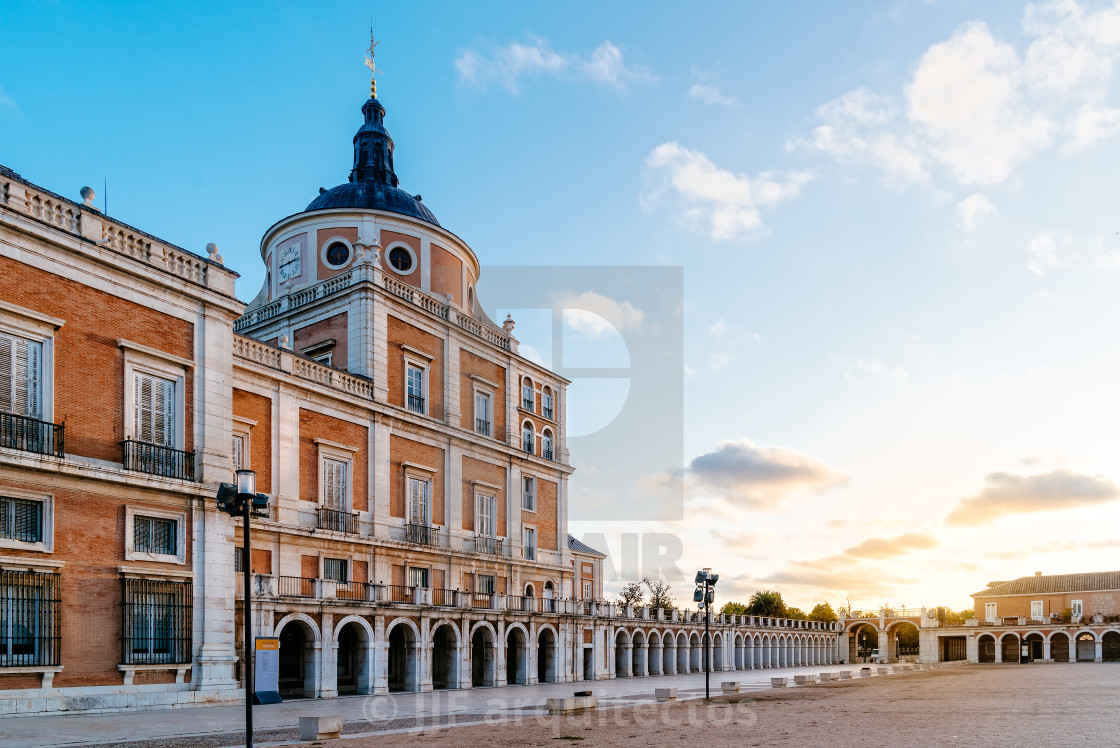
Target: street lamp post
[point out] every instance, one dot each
(704, 595)
(242, 500)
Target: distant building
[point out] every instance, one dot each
(1072, 597)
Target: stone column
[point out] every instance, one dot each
(381, 656)
(1099, 654)
(885, 651)
(1046, 651)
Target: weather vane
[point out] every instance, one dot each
(369, 64)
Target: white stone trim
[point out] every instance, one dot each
(131, 670)
(326, 246)
(22, 563)
(32, 321)
(46, 545)
(425, 366)
(482, 380)
(144, 572)
(147, 352)
(130, 554)
(411, 253)
(159, 364)
(416, 351)
(344, 450)
(31, 325)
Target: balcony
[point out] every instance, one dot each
(491, 545)
(156, 460)
(547, 413)
(443, 598)
(31, 435)
(339, 521)
(482, 427)
(527, 446)
(530, 552)
(416, 404)
(527, 404)
(547, 454)
(423, 535)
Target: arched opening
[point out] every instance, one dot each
(1086, 647)
(863, 643)
(1034, 642)
(1059, 647)
(549, 601)
(546, 656)
(402, 661)
(682, 653)
(295, 677)
(1009, 648)
(668, 654)
(717, 652)
(903, 638)
(757, 653)
(546, 444)
(517, 657)
(1110, 646)
(527, 437)
(986, 648)
(483, 666)
(529, 591)
(352, 663)
(740, 653)
(621, 655)
(696, 654)
(638, 666)
(445, 663)
(654, 653)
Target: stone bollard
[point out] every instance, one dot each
(730, 686)
(570, 704)
(665, 694)
(320, 728)
(778, 682)
(865, 672)
(884, 671)
(844, 675)
(827, 677)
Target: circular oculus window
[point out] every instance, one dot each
(337, 254)
(401, 260)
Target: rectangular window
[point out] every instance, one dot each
(1075, 608)
(530, 543)
(21, 520)
(1036, 609)
(419, 502)
(482, 413)
(527, 396)
(154, 535)
(529, 493)
(29, 618)
(546, 404)
(238, 452)
(157, 622)
(154, 410)
(414, 376)
(989, 610)
(486, 585)
(335, 477)
(485, 522)
(587, 590)
(335, 568)
(21, 364)
(418, 577)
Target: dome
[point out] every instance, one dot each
(373, 195)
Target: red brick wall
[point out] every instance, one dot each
(402, 332)
(447, 274)
(257, 408)
(89, 365)
(545, 518)
(314, 426)
(332, 328)
(472, 364)
(406, 450)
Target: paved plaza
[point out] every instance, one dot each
(988, 705)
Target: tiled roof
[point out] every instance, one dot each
(1054, 583)
(575, 545)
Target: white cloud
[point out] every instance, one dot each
(1056, 250)
(599, 316)
(711, 200)
(709, 94)
(509, 65)
(974, 210)
(1006, 493)
(860, 370)
(1092, 123)
(759, 477)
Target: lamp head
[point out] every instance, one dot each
(246, 482)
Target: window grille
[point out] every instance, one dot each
(21, 363)
(156, 622)
(30, 625)
(21, 519)
(154, 535)
(334, 568)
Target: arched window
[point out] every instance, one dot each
(527, 437)
(529, 591)
(546, 444)
(527, 394)
(546, 403)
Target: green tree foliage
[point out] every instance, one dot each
(795, 613)
(659, 596)
(822, 612)
(733, 609)
(631, 594)
(907, 636)
(767, 603)
(957, 618)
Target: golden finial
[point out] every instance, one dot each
(369, 64)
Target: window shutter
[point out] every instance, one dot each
(34, 377)
(163, 409)
(7, 380)
(414, 501)
(142, 396)
(20, 367)
(238, 457)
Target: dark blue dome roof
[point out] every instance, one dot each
(374, 196)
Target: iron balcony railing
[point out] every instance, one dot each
(337, 520)
(547, 454)
(488, 544)
(482, 426)
(482, 600)
(295, 587)
(443, 597)
(363, 591)
(526, 404)
(423, 534)
(156, 460)
(527, 445)
(521, 604)
(31, 435)
(398, 593)
(416, 404)
(547, 412)
(546, 604)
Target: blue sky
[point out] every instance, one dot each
(894, 219)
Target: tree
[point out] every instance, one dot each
(822, 612)
(659, 596)
(957, 618)
(733, 609)
(767, 603)
(631, 595)
(795, 613)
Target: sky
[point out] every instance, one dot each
(893, 221)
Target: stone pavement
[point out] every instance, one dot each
(144, 727)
